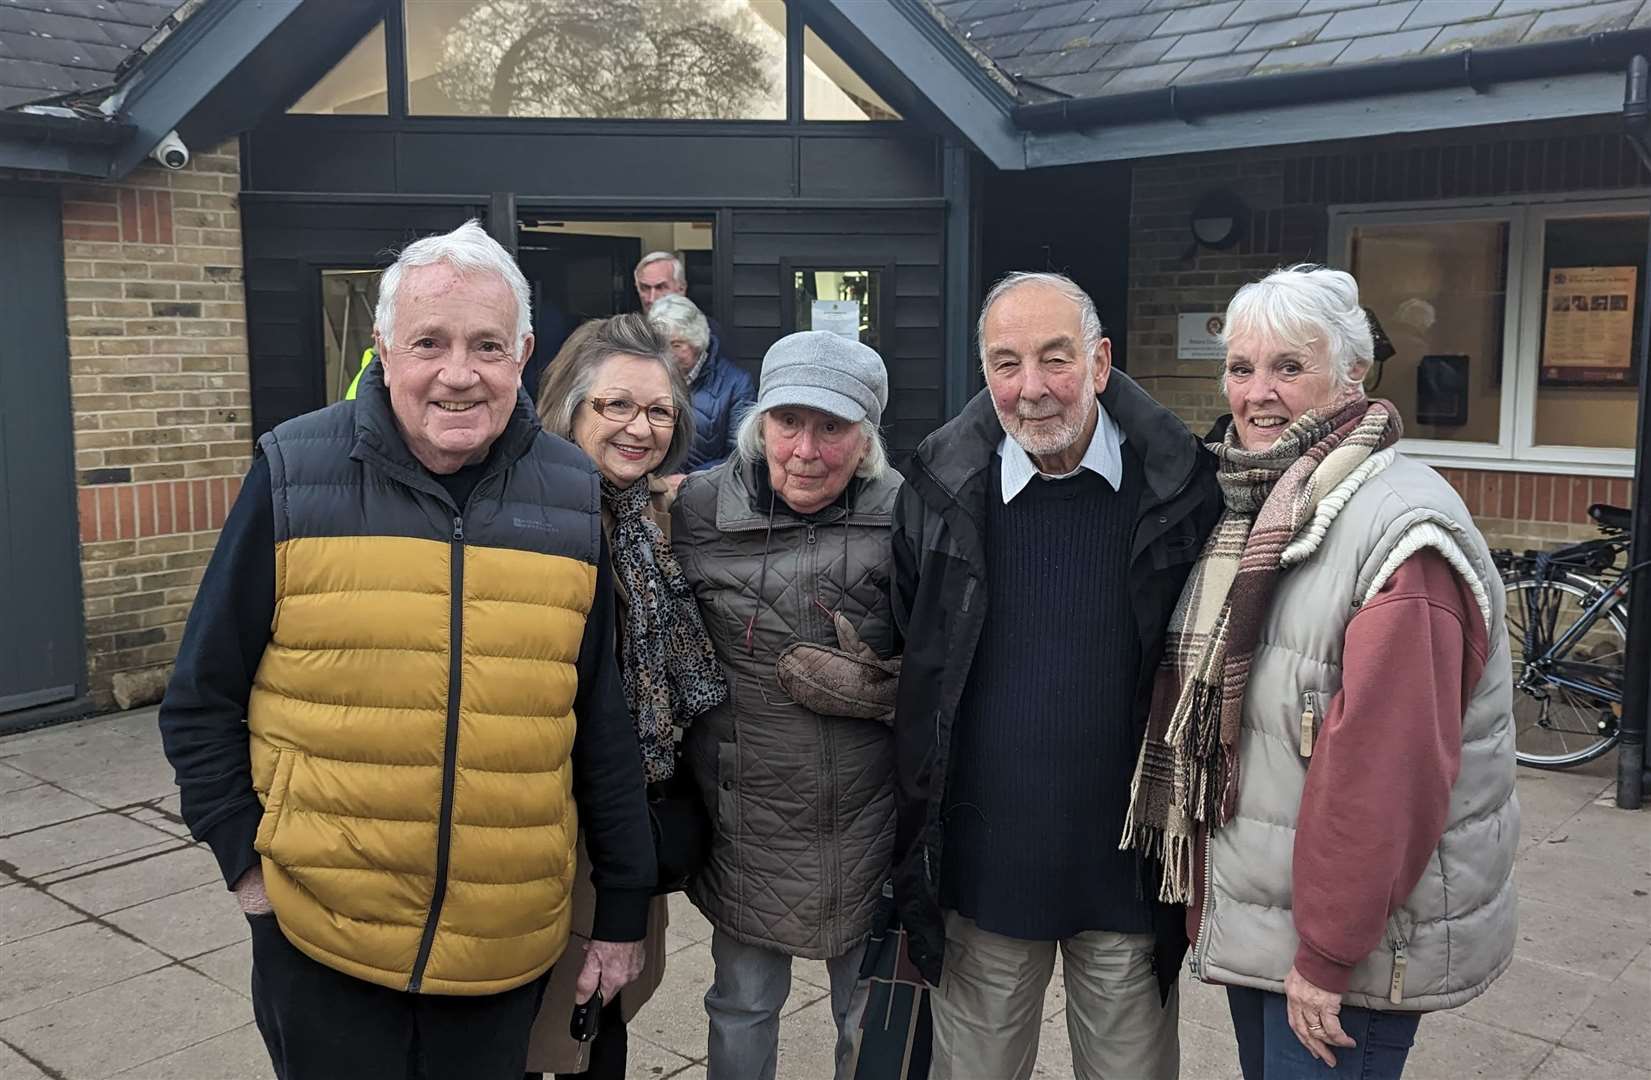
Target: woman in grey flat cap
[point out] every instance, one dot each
(786, 545)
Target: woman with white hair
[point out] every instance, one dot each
(1328, 773)
(721, 389)
(787, 546)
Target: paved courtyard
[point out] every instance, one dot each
(122, 955)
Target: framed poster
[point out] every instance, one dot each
(1588, 332)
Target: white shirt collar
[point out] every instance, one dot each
(1104, 457)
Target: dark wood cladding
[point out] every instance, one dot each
(551, 159)
(909, 240)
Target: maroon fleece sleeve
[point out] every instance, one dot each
(1383, 764)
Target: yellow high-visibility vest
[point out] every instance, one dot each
(366, 358)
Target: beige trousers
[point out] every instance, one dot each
(988, 1008)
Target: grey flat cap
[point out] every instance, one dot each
(824, 371)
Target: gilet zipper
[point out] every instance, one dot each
(449, 761)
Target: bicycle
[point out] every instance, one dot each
(1567, 623)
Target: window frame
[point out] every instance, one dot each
(797, 21)
(1527, 216)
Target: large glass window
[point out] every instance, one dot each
(1516, 328)
(618, 59)
(834, 91)
(1593, 274)
(357, 86)
(1440, 293)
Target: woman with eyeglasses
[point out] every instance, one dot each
(788, 545)
(614, 391)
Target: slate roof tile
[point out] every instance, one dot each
(1199, 40)
(1208, 43)
(1357, 22)
(58, 47)
(1190, 20)
(1456, 11)
(1393, 46)
(1251, 11)
(1284, 32)
(1485, 34)
(1580, 22)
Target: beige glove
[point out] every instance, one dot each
(846, 681)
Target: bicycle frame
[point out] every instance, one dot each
(1546, 660)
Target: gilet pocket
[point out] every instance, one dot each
(275, 802)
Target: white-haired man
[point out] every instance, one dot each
(408, 615)
(1039, 547)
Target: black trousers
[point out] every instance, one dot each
(321, 1024)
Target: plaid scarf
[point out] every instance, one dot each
(671, 674)
(1187, 772)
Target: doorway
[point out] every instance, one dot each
(42, 650)
(581, 269)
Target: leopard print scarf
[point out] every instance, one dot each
(671, 674)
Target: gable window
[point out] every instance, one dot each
(833, 91)
(620, 59)
(358, 85)
(1516, 327)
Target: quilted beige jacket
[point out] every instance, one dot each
(802, 804)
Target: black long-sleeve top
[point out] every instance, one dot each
(203, 717)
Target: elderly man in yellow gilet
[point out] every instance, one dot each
(405, 625)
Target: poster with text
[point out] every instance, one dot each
(1589, 332)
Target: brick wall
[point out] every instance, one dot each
(1288, 191)
(160, 393)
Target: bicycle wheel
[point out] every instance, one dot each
(1556, 726)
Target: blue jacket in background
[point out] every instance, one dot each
(721, 395)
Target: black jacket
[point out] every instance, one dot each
(940, 606)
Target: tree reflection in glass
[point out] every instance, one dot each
(620, 59)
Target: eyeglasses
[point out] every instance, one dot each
(624, 410)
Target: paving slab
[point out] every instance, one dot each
(1054, 1048)
(1208, 1053)
(687, 925)
(1565, 1064)
(14, 1066)
(146, 778)
(75, 843)
(1592, 939)
(675, 1016)
(229, 967)
(187, 924)
(1535, 999)
(1613, 1026)
(141, 724)
(30, 808)
(26, 911)
(645, 1058)
(1580, 877)
(12, 780)
(56, 966)
(237, 1054)
(144, 876)
(127, 1024)
(64, 753)
(808, 1043)
(1452, 1047)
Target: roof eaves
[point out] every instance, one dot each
(1470, 68)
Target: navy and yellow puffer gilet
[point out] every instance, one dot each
(412, 717)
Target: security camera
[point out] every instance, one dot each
(171, 152)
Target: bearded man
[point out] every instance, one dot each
(1040, 544)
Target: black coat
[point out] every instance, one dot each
(940, 606)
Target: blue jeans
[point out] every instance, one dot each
(1269, 1050)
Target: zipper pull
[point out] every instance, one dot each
(1395, 990)
(1307, 731)
(810, 533)
(458, 529)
